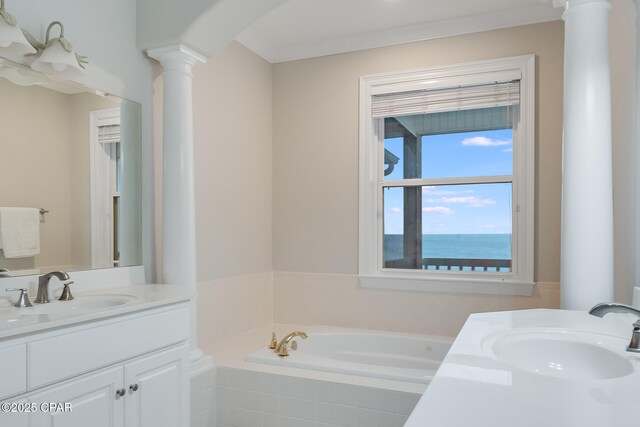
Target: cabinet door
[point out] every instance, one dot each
(93, 400)
(15, 414)
(158, 390)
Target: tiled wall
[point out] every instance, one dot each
(229, 307)
(338, 300)
(203, 399)
(256, 399)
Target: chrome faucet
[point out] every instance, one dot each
(43, 285)
(601, 309)
(281, 348)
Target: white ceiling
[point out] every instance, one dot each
(308, 28)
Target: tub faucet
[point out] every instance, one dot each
(43, 285)
(281, 348)
(601, 309)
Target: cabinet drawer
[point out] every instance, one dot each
(13, 370)
(90, 348)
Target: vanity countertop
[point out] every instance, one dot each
(87, 306)
(475, 386)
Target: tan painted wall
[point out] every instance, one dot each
(316, 143)
(35, 165)
(623, 55)
(233, 149)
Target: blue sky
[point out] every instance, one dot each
(457, 209)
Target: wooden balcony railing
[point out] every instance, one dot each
(455, 264)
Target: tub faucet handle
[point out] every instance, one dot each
(274, 341)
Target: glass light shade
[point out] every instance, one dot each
(12, 41)
(56, 60)
(22, 77)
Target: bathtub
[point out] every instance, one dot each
(385, 355)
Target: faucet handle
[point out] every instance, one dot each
(634, 345)
(66, 292)
(23, 299)
(274, 342)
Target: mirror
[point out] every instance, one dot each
(71, 155)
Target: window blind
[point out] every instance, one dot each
(108, 134)
(498, 94)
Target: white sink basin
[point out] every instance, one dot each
(79, 304)
(564, 354)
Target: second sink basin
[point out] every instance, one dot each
(564, 354)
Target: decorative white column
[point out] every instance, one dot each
(178, 223)
(587, 274)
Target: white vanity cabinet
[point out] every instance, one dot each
(124, 371)
(93, 402)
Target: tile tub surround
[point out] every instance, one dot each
(338, 300)
(203, 398)
(259, 395)
(232, 306)
(248, 398)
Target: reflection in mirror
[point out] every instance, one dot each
(71, 160)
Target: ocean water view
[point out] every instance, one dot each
(482, 246)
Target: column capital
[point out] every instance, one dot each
(176, 53)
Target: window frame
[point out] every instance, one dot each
(371, 172)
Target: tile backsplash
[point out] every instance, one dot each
(229, 307)
(338, 300)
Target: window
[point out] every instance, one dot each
(446, 178)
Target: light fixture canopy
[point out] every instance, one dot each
(57, 56)
(12, 40)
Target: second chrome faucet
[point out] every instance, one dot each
(601, 309)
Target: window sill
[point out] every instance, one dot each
(449, 285)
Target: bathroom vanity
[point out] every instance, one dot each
(532, 368)
(117, 357)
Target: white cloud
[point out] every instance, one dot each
(395, 210)
(438, 209)
(471, 201)
(507, 150)
(481, 141)
(431, 190)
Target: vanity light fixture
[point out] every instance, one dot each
(12, 39)
(56, 56)
(21, 75)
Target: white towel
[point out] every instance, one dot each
(20, 232)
